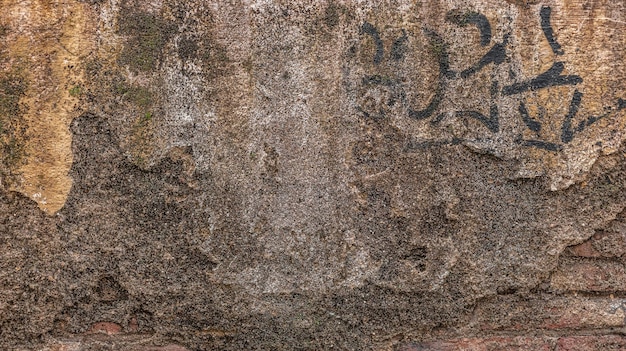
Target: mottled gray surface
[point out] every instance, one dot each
(260, 176)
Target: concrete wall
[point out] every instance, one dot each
(426, 175)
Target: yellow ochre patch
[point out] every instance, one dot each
(44, 43)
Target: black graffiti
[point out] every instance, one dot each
(567, 133)
(491, 122)
(530, 122)
(377, 79)
(550, 78)
(373, 32)
(548, 31)
(496, 55)
(475, 18)
(399, 47)
(440, 48)
(432, 105)
(540, 144)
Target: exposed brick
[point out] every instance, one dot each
(108, 328)
(585, 249)
(485, 344)
(589, 275)
(133, 326)
(606, 243)
(611, 243)
(549, 312)
(592, 343)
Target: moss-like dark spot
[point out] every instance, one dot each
(12, 127)
(104, 81)
(437, 48)
(331, 15)
(75, 91)
(142, 139)
(248, 65)
(214, 58)
(139, 96)
(187, 48)
(93, 68)
(146, 37)
(145, 119)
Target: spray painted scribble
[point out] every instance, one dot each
(570, 126)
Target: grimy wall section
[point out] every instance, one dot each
(312, 175)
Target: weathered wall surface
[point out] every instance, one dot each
(408, 175)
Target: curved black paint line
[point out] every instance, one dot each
(621, 104)
(496, 55)
(475, 18)
(548, 31)
(491, 122)
(440, 49)
(432, 106)
(549, 78)
(493, 90)
(438, 119)
(399, 48)
(368, 28)
(530, 122)
(381, 114)
(540, 144)
(567, 134)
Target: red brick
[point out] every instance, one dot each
(611, 243)
(133, 326)
(549, 312)
(607, 243)
(589, 275)
(108, 328)
(592, 343)
(585, 249)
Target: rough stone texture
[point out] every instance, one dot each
(194, 175)
(591, 343)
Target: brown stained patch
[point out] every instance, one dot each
(107, 328)
(142, 146)
(229, 66)
(12, 129)
(594, 37)
(47, 41)
(147, 35)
